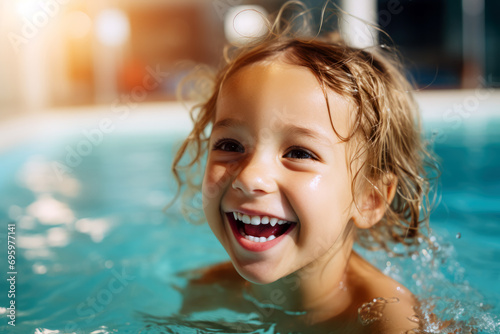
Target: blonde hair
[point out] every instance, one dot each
(386, 123)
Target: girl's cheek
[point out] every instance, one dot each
(214, 181)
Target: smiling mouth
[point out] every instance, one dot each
(260, 229)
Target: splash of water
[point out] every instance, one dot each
(449, 304)
(373, 311)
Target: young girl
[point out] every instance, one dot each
(312, 145)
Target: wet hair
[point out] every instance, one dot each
(385, 135)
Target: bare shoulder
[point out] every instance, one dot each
(385, 305)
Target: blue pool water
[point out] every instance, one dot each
(95, 253)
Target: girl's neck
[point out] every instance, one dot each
(318, 290)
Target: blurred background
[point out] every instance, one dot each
(58, 53)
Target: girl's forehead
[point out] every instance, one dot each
(279, 89)
(267, 70)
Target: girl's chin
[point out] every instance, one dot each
(256, 273)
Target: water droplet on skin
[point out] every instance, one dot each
(373, 311)
(414, 318)
(458, 236)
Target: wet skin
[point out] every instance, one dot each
(273, 153)
(220, 286)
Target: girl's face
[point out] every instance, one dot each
(276, 190)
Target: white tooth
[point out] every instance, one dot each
(239, 216)
(271, 237)
(262, 239)
(235, 215)
(273, 221)
(250, 237)
(264, 220)
(255, 220)
(245, 219)
(281, 222)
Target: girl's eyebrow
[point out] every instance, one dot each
(292, 130)
(228, 123)
(316, 135)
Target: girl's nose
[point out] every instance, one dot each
(255, 178)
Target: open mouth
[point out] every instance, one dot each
(258, 229)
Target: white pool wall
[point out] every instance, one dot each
(438, 106)
(170, 117)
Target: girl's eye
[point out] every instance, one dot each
(300, 153)
(228, 145)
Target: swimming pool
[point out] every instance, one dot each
(95, 253)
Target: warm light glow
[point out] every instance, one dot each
(78, 24)
(112, 27)
(26, 8)
(242, 23)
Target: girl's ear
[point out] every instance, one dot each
(373, 202)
